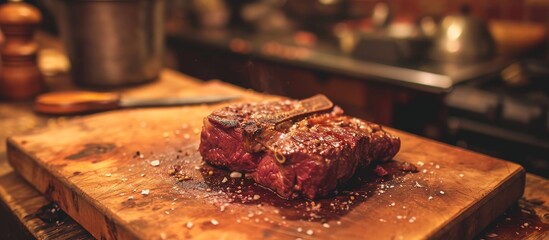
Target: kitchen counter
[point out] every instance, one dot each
(30, 214)
(321, 55)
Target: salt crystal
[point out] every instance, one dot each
(257, 197)
(420, 163)
(167, 213)
(424, 171)
(338, 222)
(392, 204)
(326, 225)
(437, 166)
(145, 192)
(190, 225)
(310, 232)
(382, 220)
(186, 136)
(235, 175)
(130, 197)
(442, 192)
(214, 222)
(142, 174)
(155, 163)
(124, 179)
(492, 235)
(399, 217)
(461, 175)
(224, 180)
(299, 229)
(417, 184)
(526, 224)
(412, 219)
(430, 197)
(122, 194)
(108, 174)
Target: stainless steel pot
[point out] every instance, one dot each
(112, 43)
(462, 38)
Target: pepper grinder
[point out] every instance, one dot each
(20, 78)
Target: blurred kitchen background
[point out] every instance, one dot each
(469, 73)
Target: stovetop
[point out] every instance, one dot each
(508, 122)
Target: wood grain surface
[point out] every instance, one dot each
(99, 170)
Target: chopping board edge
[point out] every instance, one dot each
(76, 204)
(479, 215)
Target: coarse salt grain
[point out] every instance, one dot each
(392, 204)
(420, 164)
(130, 198)
(190, 225)
(310, 232)
(155, 163)
(442, 192)
(299, 229)
(492, 235)
(417, 185)
(326, 225)
(235, 175)
(461, 175)
(108, 174)
(257, 197)
(145, 192)
(430, 197)
(214, 222)
(224, 180)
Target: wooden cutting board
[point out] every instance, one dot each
(102, 170)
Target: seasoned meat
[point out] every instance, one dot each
(294, 148)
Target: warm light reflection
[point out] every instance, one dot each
(454, 31)
(453, 46)
(327, 2)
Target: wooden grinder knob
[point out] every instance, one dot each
(20, 78)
